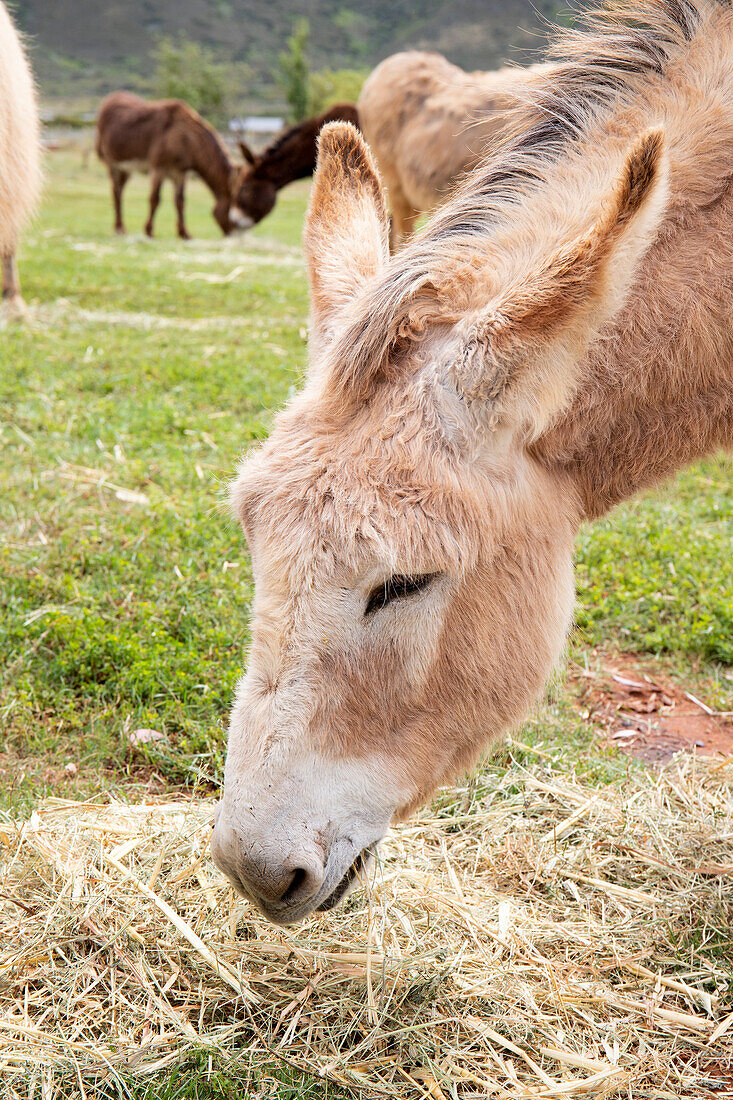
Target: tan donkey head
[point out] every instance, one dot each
(412, 562)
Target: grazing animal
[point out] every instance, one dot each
(559, 337)
(168, 139)
(428, 122)
(20, 165)
(291, 156)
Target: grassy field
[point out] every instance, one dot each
(145, 369)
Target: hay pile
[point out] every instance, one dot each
(533, 938)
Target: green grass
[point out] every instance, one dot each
(147, 367)
(656, 575)
(202, 1076)
(119, 614)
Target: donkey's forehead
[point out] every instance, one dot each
(350, 494)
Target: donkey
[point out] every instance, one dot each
(558, 338)
(20, 168)
(428, 122)
(168, 139)
(291, 156)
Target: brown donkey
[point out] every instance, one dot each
(168, 139)
(291, 156)
(428, 122)
(560, 337)
(20, 172)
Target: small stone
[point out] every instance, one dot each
(145, 737)
(70, 770)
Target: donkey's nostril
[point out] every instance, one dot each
(299, 877)
(268, 871)
(282, 885)
(304, 883)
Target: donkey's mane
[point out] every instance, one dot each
(298, 142)
(598, 65)
(279, 146)
(213, 140)
(214, 166)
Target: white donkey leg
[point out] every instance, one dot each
(13, 306)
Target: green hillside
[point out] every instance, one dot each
(87, 47)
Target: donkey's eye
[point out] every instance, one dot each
(396, 588)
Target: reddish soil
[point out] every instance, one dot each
(643, 712)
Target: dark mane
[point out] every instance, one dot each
(292, 154)
(214, 164)
(214, 141)
(613, 51)
(282, 142)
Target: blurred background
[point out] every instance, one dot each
(234, 58)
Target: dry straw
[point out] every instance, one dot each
(537, 938)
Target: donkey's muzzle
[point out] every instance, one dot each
(281, 878)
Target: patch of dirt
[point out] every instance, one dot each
(642, 712)
(16, 770)
(710, 1076)
(34, 777)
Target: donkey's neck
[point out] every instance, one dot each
(657, 391)
(291, 156)
(212, 163)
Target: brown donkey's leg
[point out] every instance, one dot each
(180, 184)
(156, 182)
(13, 305)
(119, 179)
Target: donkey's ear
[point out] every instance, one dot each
(346, 238)
(521, 354)
(247, 153)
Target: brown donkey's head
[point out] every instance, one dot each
(412, 562)
(252, 196)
